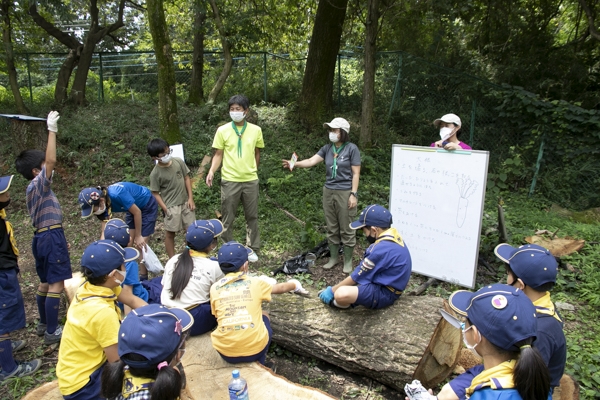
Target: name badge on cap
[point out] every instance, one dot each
(499, 302)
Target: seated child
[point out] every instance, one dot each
(532, 269)
(244, 331)
(148, 290)
(91, 333)
(188, 276)
(384, 271)
(151, 343)
(12, 312)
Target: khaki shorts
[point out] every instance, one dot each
(179, 218)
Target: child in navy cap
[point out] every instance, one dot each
(501, 325)
(136, 201)
(12, 312)
(91, 332)
(384, 271)
(151, 344)
(533, 269)
(244, 332)
(188, 276)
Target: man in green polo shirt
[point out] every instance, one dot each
(237, 145)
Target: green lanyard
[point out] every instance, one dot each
(239, 134)
(336, 152)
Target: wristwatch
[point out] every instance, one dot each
(354, 194)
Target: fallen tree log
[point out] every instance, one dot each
(409, 340)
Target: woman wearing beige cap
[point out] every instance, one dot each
(340, 196)
(449, 126)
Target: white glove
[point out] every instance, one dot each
(53, 121)
(298, 289)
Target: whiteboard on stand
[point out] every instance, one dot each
(436, 200)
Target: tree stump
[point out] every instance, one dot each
(27, 135)
(409, 340)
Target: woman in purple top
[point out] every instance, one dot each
(449, 126)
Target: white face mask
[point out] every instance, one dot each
(445, 133)
(334, 137)
(100, 211)
(236, 116)
(122, 277)
(165, 159)
(467, 345)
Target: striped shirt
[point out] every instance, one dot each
(42, 203)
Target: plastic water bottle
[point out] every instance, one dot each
(238, 388)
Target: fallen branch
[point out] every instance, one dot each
(286, 212)
(423, 287)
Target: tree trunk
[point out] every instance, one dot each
(368, 96)
(64, 75)
(196, 89)
(316, 98)
(409, 340)
(10, 61)
(226, 54)
(168, 121)
(83, 68)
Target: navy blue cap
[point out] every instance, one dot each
(373, 215)
(5, 183)
(102, 256)
(534, 264)
(202, 232)
(88, 198)
(503, 314)
(232, 253)
(153, 331)
(116, 229)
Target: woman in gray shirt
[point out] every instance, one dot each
(340, 197)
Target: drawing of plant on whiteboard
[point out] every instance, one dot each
(466, 187)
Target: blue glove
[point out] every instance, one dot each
(326, 295)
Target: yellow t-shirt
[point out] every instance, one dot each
(93, 322)
(236, 168)
(235, 301)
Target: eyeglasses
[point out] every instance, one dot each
(161, 155)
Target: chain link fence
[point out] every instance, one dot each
(410, 94)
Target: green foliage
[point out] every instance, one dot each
(566, 133)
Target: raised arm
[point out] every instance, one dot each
(51, 146)
(307, 163)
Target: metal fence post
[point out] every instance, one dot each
(101, 88)
(472, 128)
(29, 78)
(396, 87)
(537, 166)
(339, 94)
(265, 73)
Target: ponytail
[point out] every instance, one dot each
(184, 268)
(182, 273)
(531, 376)
(167, 385)
(112, 379)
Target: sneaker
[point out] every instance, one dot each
(40, 329)
(51, 338)
(17, 345)
(24, 368)
(252, 256)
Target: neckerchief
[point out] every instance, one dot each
(544, 305)
(336, 153)
(195, 253)
(230, 278)
(133, 384)
(10, 233)
(498, 377)
(392, 235)
(239, 135)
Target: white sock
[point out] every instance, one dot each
(335, 303)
